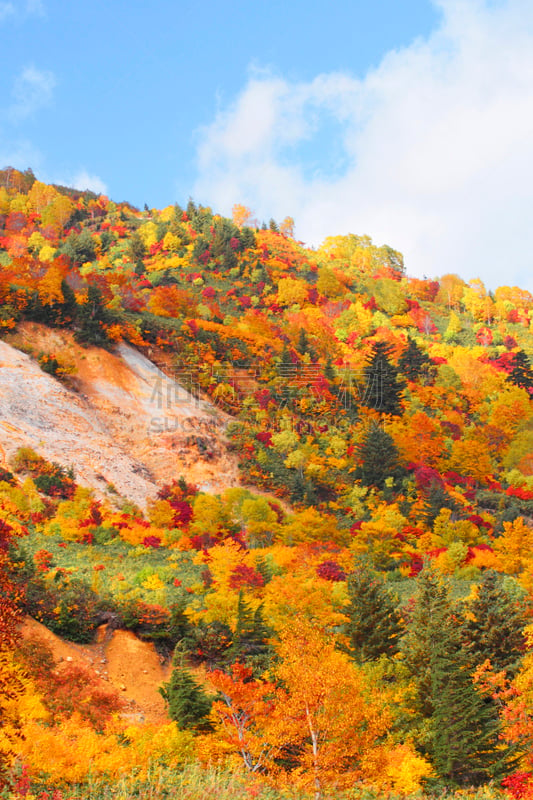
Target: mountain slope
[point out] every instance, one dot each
(123, 423)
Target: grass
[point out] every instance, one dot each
(132, 564)
(196, 783)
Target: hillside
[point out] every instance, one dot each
(116, 660)
(303, 472)
(129, 425)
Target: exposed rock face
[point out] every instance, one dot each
(126, 423)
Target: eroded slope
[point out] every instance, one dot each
(124, 424)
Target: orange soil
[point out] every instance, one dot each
(119, 658)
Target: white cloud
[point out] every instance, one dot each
(93, 183)
(35, 8)
(20, 10)
(33, 89)
(437, 143)
(6, 10)
(19, 154)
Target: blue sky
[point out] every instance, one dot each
(408, 121)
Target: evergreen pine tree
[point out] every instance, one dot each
(494, 625)
(264, 567)
(69, 306)
(247, 238)
(179, 625)
(329, 372)
(465, 743)
(459, 728)
(188, 705)
(192, 210)
(521, 373)
(435, 498)
(80, 247)
(136, 249)
(383, 388)
(303, 342)
(286, 363)
(413, 362)
(207, 642)
(244, 630)
(430, 610)
(92, 316)
(379, 456)
(250, 641)
(374, 624)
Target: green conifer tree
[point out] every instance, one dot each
(329, 372)
(188, 705)
(521, 373)
(250, 642)
(374, 624)
(92, 317)
(494, 625)
(458, 729)
(382, 389)
(80, 247)
(69, 306)
(304, 347)
(430, 610)
(413, 362)
(136, 249)
(285, 362)
(435, 498)
(465, 730)
(379, 457)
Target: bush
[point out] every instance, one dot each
(6, 476)
(69, 688)
(69, 608)
(149, 621)
(208, 643)
(57, 483)
(50, 478)
(27, 460)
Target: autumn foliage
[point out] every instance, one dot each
(383, 430)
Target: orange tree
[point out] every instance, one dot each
(11, 678)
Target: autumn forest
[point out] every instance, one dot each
(351, 616)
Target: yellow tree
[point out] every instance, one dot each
(292, 292)
(49, 287)
(298, 594)
(242, 215)
(12, 678)
(469, 457)
(328, 713)
(58, 213)
(286, 228)
(514, 547)
(41, 195)
(451, 290)
(329, 284)
(454, 327)
(477, 301)
(325, 719)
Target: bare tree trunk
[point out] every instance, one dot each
(314, 742)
